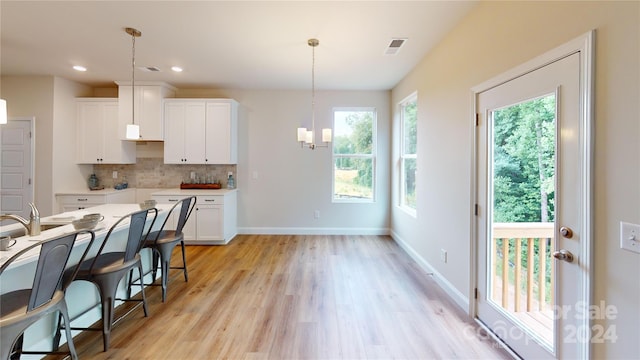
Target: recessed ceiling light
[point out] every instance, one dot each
(176, 68)
(79, 68)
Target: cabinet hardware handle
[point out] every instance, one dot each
(83, 199)
(173, 200)
(209, 200)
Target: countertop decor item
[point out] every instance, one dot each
(94, 182)
(85, 223)
(200, 186)
(231, 183)
(148, 204)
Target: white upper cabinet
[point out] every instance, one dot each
(201, 131)
(149, 109)
(222, 132)
(98, 140)
(184, 134)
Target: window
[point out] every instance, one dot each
(408, 156)
(354, 149)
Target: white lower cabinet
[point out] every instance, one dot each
(72, 201)
(214, 218)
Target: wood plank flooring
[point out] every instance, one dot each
(297, 297)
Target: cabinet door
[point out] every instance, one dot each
(184, 140)
(209, 222)
(189, 229)
(90, 130)
(148, 110)
(150, 115)
(221, 133)
(175, 117)
(194, 135)
(114, 150)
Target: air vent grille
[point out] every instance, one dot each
(149, 68)
(394, 46)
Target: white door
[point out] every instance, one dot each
(16, 180)
(533, 220)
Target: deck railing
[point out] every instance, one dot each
(521, 266)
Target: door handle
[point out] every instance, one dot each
(566, 232)
(563, 254)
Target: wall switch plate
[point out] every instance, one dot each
(114, 175)
(630, 237)
(443, 255)
(316, 214)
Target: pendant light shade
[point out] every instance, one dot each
(3, 111)
(133, 132)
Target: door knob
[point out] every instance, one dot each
(566, 232)
(563, 254)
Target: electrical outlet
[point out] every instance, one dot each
(630, 237)
(316, 214)
(443, 255)
(114, 174)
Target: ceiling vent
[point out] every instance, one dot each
(149, 68)
(394, 46)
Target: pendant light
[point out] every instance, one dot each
(133, 130)
(307, 137)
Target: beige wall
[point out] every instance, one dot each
(495, 37)
(38, 104)
(50, 101)
(292, 182)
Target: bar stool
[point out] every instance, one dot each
(107, 268)
(20, 309)
(163, 241)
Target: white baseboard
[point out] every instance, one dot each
(313, 231)
(459, 298)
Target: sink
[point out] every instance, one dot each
(44, 227)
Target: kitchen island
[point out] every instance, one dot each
(81, 296)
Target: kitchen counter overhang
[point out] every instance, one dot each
(81, 296)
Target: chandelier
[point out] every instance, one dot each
(307, 137)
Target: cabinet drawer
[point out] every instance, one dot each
(82, 199)
(210, 200)
(166, 199)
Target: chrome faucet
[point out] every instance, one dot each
(32, 225)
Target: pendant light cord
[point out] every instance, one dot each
(313, 92)
(133, 78)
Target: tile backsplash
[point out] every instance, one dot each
(154, 173)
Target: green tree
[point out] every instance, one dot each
(361, 124)
(524, 161)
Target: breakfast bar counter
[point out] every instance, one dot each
(80, 296)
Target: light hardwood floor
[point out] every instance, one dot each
(297, 297)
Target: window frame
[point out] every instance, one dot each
(402, 190)
(372, 156)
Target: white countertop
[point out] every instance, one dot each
(111, 212)
(191, 192)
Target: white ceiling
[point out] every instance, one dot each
(224, 44)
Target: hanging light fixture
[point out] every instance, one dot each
(3, 111)
(133, 130)
(307, 137)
